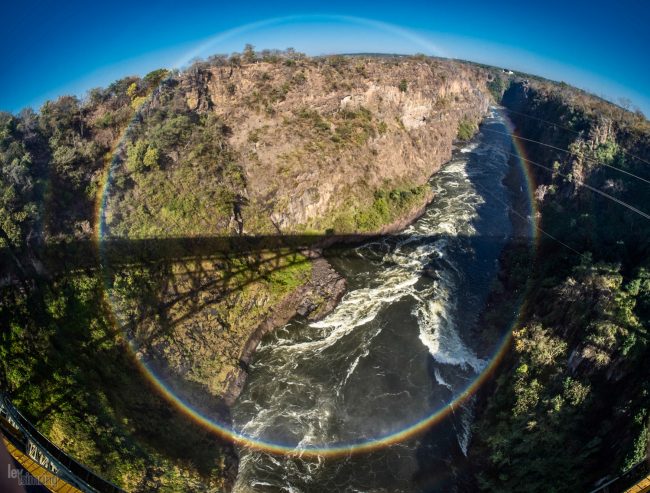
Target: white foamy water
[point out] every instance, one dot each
(437, 330)
(465, 433)
(363, 371)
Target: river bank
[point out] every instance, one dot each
(317, 297)
(313, 300)
(504, 302)
(505, 294)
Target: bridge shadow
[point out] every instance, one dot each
(211, 268)
(163, 284)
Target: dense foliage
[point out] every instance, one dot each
(387, 206)
(69, 370)
(63, 360)
(466, 130)
(179, 177)
(571, 404)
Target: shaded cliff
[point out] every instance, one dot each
(569, 407)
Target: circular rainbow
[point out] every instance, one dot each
(324, 450)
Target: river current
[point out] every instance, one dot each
(396, 349)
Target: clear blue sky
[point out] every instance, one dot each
(49, 48)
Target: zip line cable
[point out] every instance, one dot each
(567, 129)
(528, 220)
(566, 151)
(589, 187)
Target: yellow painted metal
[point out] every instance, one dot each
(642, 486)
(45, 477)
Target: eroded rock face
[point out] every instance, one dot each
(313, 138)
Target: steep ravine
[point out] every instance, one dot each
(568, 408)
(396, 349)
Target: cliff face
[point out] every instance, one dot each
(317, 138)
(314, 145)
(573, 391)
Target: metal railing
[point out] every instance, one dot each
(29, 440)
(626, 480)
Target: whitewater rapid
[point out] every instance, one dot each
(396, 349)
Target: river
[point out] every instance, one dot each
(396, 349)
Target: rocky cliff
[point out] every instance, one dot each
(569, 408)
(316, 139)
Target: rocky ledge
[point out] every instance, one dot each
(313, 300)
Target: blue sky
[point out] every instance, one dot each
(50, 48)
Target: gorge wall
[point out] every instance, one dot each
(338, 145)
(569, 407)
(317, 140)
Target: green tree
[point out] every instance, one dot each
(17, 207)
(249, 55)
(151, 157)
(466, 130)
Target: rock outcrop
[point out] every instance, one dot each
(313, 300)
(315, 138)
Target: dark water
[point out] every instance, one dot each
(396, 349)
